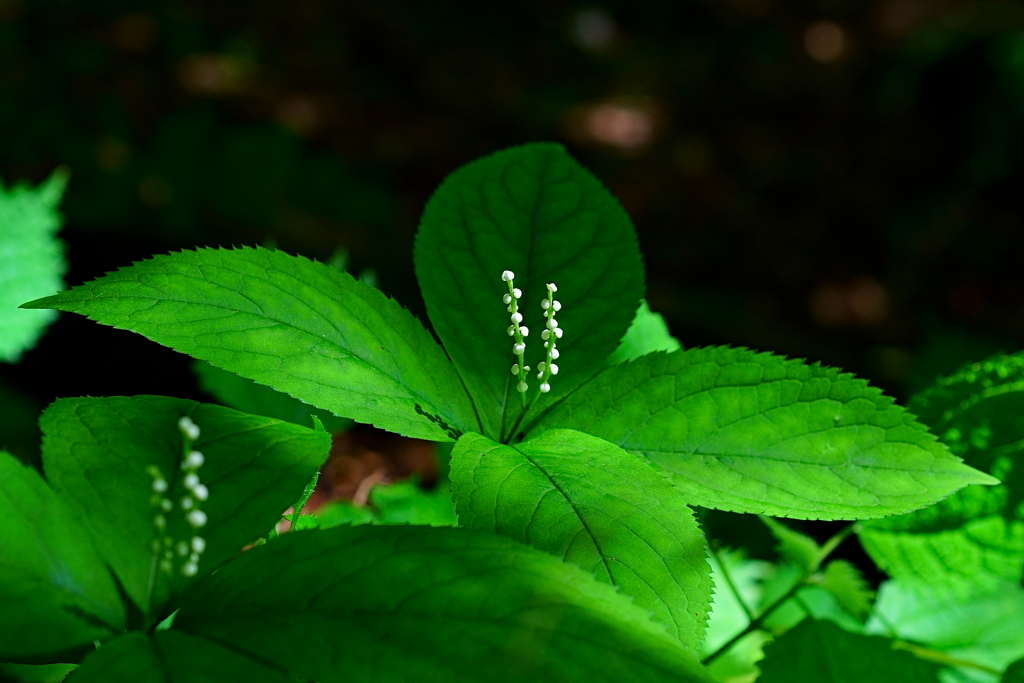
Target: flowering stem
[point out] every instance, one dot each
(519, 332)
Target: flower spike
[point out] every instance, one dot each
(550, 334)
(516, 330)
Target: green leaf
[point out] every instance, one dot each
(35, 673)
(985, 628)
(247, 396)
(171, 657)
(977, 535)
(821, 652)
(794, 547)
(594, 505)
(647, 334)
(298, 326)
(844, 581)
(752, 432)
(1014, 673)
(55, 590)
(406, 503)
(422, 603)
(31, 260)
(533, 210)
(96, 452)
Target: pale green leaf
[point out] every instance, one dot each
(752, 432)
(821, 652)
(648, 333)
(403, 603)
(535, 211)
(96, 452)
(794, 547)
(31, 260)
(298, 326)
(845, 582)
(594, 505)
(56, 593)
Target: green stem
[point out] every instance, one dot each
(729, 581)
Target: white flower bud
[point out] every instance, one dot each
(526, 368)
(187, 503)
(544, 304)
(166, 505)
(545, 388)
(517, 293)
(194, 557)
(190, 480)
(523, 386)
(552, 287)
(201, 492)
(159, 485)
(546, 343)
(554, 354)
(511, 330)
(558, 333)
(193, 461)
(545, 334)
(515, 368)
(554, 369)
(517, 317)
(188, 427)
(197, 518)
(509, 309)
(541, 366)
(540, 374)
(552, 324)
(524, 330)
(198, 544)
(508, 275)
(160, 521)
(182, 548)
(507, 299)
(518, 349)
(190, 569)
(557, 306)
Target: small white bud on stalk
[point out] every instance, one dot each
(190, 569)
(545, 387)
(517, 293)
(507, 299)
(187, 503)
(552, 324)
(202, 493)
(198, 544)
(508, 275)
(515, 369)
(517, 317)
(190, 480)
(523, 386)
(193, 461)
(518, 349)
(197, 518)
(553, 368)
(159, 485)
(188, 427)
(524, 330)
(557, 306)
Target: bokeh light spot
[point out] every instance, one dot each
(825, 41)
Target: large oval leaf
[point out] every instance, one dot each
(298, 326)
(752, 432)
(591, 503)
(428, 604)
(533, 210)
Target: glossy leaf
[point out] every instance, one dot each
(298, 326)
(55, 590)
(96, 451)
(405, 603)
(31, 260)
(752, 432)
(648, 333)
(247, 396)
(821, 652)
(592, 504)
(535, 211)
(171, 657)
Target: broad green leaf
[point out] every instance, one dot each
(403, 603)
(752, 432)
(96, 452)
(1014, 673)
(172, 657)
(821, 652)
(845, 582)
(535, 211)
(401, 503)
(976, 535)
(31, 260)
(35, 673)
(985, 628)
(594, 505)
(298, 326)
(794, 547)
(56, 594)
(647, 334)
(247, 396)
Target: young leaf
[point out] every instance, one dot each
(247, 396)
(647, 334)
(31, 260)
(96, 452)
(171, 657)
(985, 627)
(535, 211)
(821, 652)
(55, 591)
(298, 326)
(845, 582)
(794, 547)
(594, 505)
(405, 603)
(752, 432)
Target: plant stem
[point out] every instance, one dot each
(826, 550)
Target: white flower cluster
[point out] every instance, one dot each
(516, 330)
(551, 334)
(164, 545)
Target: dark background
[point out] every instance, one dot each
(835, 180)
